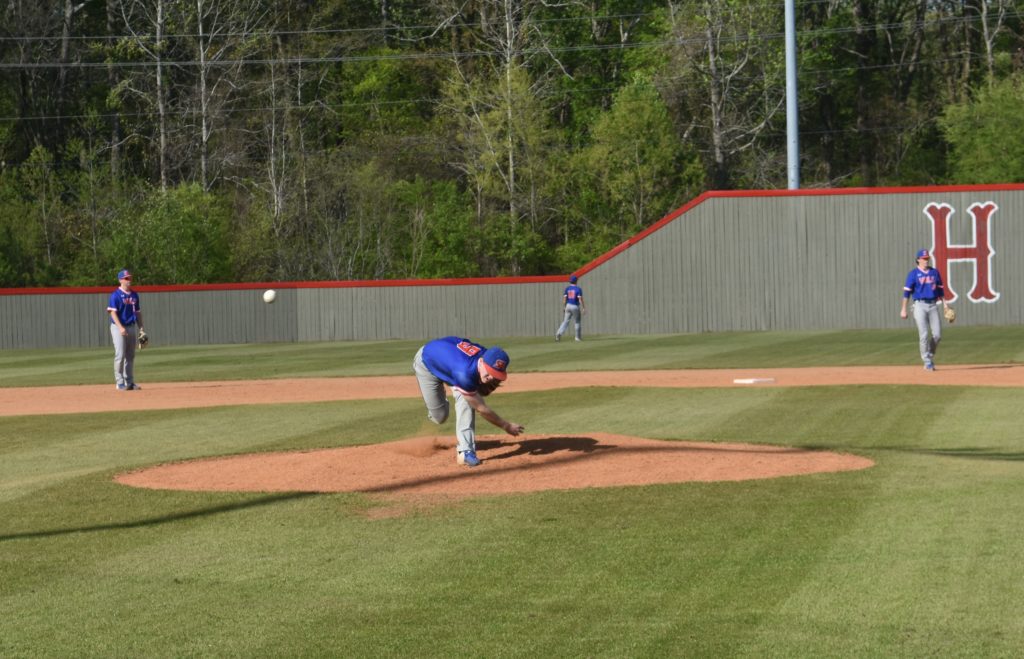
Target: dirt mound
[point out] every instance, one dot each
(425, 466)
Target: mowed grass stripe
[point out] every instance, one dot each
(917, 556)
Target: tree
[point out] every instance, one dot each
(147, 26)
(636, 164)
(440, 225)
(987, 134)
(501, 135)
(223, 31)
(48, 213)
(180, 237)
(18, 239)
(726, 79)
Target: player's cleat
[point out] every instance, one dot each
(469, 459)
(134, 386)
(578, 338)
(929, 366)
(121, 387)
(558, 337)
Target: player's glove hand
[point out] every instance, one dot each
(487, 388)
(949, 313)
(143, 339)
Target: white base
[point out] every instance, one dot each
(753, 380)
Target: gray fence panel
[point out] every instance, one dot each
(188, 317)
(43, 321)
(212, 317)
(799, 263)
(415, 312)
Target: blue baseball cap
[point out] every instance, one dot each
(572, 279)
(124, 274)
(923, 254)
(495, 362)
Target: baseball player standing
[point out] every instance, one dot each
(924, 285)
(125, 325)
(472, 371)
(572, 303)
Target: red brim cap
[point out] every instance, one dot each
(495, 373)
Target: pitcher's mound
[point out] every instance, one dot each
(426, 466)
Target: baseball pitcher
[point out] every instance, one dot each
(473, 372)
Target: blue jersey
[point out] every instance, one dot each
(126, 305)
(453, 360)
(924, 284)
(573, 294)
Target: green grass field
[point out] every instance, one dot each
(918, 556)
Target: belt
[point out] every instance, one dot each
(929, 300)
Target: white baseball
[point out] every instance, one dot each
(270, 296)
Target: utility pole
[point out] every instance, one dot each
(792, 108)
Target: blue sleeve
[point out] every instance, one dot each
(911, 283)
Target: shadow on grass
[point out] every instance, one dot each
(972, 453)
(569, 449)
(546, 446)
(966, 453)
(164, 519)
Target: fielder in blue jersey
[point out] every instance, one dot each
(472, 371)
(924, 286)
(572, 303)
(125, 324)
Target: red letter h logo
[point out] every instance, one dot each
(980, 252)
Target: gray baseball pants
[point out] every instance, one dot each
(124, 354)
(929, 328)
(434, 397)
(572, 312)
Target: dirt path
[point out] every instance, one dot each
(173, 395)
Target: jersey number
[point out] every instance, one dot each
(469, 348)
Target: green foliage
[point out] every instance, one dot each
(385, 95)
(987, 134)
(632, 168)
(509, 153)
(441, 241)
(18, 239)
(548, 133)
(181, 236)
(252, 244)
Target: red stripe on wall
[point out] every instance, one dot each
(280, 285)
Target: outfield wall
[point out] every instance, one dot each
(811, 260)
(736, 261)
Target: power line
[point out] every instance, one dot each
(426, 55)
(318, 31)
(778, 4)
(580, 91)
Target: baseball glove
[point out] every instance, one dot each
(487, 388)
(143, 339)
(949, 313)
